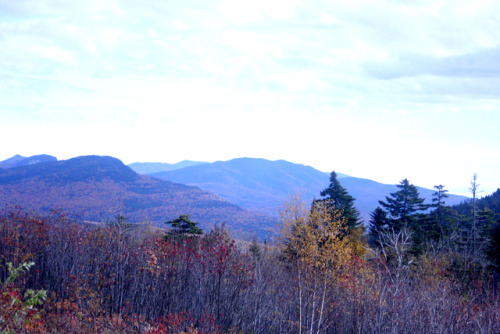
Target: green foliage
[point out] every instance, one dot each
(32, 297)
(440, 223)
(404, 206)
(337, 199)
(494, 249)
(439, 197)
(255, 249)
(18, 312)
(379, 224)
(15, 272)
(479, 225)
(121, 223)
(182, 227)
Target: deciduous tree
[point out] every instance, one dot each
(314, 243)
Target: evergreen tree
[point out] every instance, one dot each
(336, 198)
(404, 206)
(436, 225)
(438, 201)
(182, 227)
(486, 225)
(121, 223)
(379, 223)
(494, 249)
(255, 249)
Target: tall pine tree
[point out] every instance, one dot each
(337, 198)
(379, 224)
(439, 222)
(404, 206)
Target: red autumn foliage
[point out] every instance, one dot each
(125, 279)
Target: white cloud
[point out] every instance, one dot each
(251, 11)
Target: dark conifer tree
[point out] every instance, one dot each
(378, 224)
(182, 227)
(438, 201)
(336, 197)
(404, 206)
(433, 225)
(494, 249)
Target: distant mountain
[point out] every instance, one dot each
(255, 184)
(19, 160)
(263, 186)
(99, 188)
(147, 168)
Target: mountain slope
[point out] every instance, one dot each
(156, 167)
(255, 184)
(490, 202)
(99, 188)
(263, 186)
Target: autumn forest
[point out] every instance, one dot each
(414, 268)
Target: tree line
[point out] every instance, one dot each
(468, 232)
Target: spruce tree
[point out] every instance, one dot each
(438, 225)
(379, 223)
(438, 199)
(336, 197)
(404, 206)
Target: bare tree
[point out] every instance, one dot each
(394, 249)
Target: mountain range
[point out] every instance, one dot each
(263, 186)
(245, 193)
(95, 188)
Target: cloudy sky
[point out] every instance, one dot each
(375, 89)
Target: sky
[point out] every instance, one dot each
(383, 90)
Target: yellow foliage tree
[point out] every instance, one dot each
(314, 243)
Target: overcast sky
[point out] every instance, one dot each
(375, 89)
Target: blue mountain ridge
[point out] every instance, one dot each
(263, 186)
(19, 160)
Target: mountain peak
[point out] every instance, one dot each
(78, 169)
(18, 160)
(12, 160)
(97, 168)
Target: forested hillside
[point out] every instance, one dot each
(489, 202)
(255, 184)
(98, 188)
